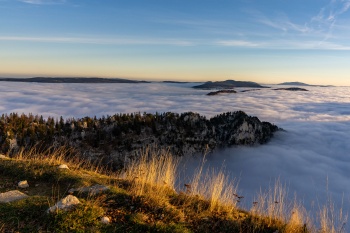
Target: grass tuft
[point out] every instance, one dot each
(152, 174)
(332, 220)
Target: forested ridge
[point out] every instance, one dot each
(123, 134)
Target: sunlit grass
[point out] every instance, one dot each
(332, 219)
(216, 186)
(153, 173)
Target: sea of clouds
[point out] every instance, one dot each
(312, 155)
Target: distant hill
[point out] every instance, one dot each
(302, 84)
(71, 80)
(228, 84)
(295, 84)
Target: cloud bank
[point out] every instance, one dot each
(310, 157)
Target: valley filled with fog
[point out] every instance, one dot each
(311, 157)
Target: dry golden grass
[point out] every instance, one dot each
(298, 220)
(272, 203)
(274, 208)
(215, 186)
(153, 173)
(58, 156)
(332, 220)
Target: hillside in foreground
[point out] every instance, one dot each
(142, 198)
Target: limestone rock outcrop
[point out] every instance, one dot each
(11, 196)
(63, 166)
(64, 204)
(23, 184)
(105, 220)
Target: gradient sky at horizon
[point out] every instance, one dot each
(268, 41)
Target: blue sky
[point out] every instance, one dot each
(268, 41)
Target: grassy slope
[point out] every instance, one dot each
(140, 200)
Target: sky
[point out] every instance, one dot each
(311, 157)
(268, 41)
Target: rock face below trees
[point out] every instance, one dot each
(122, 136)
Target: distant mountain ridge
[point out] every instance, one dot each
(228, 84)
(71, 80)
(294, 84)
(302, 84)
